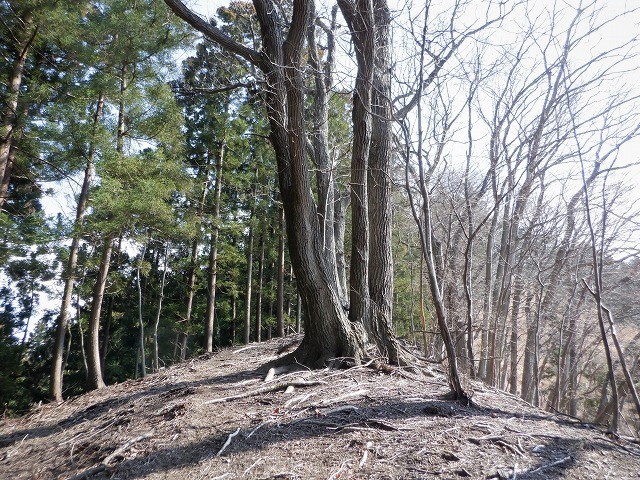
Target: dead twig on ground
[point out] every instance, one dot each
(228, 442)
(557, 463)
(267, 389)
(346, 396)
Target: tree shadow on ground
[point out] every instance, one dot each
(338, 422)
(95, 410)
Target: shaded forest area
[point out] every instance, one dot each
(458, 176)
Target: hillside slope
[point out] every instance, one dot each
(357, 423)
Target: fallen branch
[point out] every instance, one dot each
(258, 427)
(252, 465)
(346, 396)
(228, 442)
(562, 461)
(102, 466)
(298, 399)
(267, 389)
(346, 408)
(243, 349)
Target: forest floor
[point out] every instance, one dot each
(184, 423)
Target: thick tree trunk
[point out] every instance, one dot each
(329, 336)
(361, 26)
(13, 151)
(213, 253)
(379, 191)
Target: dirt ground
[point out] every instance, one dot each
(183, 423)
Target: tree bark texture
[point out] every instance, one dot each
(9, 117)
(329, 336)
(379, 191)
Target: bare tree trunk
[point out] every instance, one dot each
(156, 347)
(95, 369)
(183, 335)
(213, 253)
(280, 288)
(361, 26)
(425, 229)
(340, 208)
(515, 312)
(500, 295)
(423, 317)
(627, 375)
(6, 181)
(55, 391)
(234, 316)
(247, 294)
(143, 358)
(298, 313)
(483, 371)
(83, 351)
(95, 380)
(412, 290)
(67, 350)
(527, 365)
(379, 191)
(17, 136)
(319, 134)
(260, 288)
